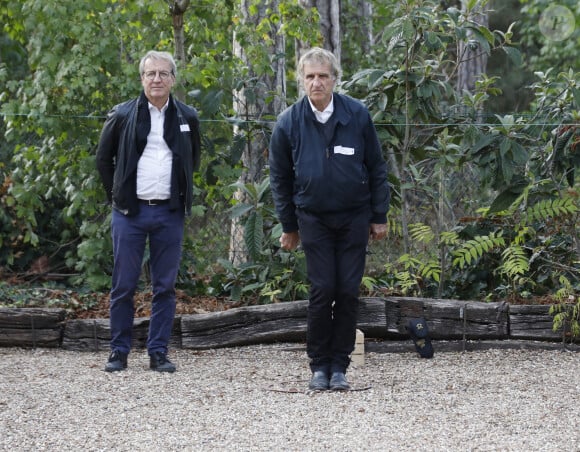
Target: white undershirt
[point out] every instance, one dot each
(323, 116)
(154, 167)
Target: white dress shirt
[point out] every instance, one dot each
(323, 116)
(154, 167)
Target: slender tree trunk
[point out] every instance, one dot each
(177, 9)
(365, 14)
(405, 158)
(329, 12)
(472, 59)
(252, 109)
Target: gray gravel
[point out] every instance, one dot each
(254, 399)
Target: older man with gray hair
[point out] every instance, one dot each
(147, 153)
(329, 183)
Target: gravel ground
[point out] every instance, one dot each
(254, 399)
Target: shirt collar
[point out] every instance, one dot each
(328, 110)
(153, 107)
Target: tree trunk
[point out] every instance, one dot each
(252, 108)
(329, 12)
(365, 20)
(177, 9)
(472, 59)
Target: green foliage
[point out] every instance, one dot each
(54, 191)
(258, 211)
(47, 295)
(549, 208)
(566, 312)
(473, 249)
(445, 157)
(545, 53)
(271, 273)
(53, 115)
(481, 209)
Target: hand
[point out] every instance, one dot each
(290, 240)
(378, 231)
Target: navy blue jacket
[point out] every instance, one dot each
(123, 140)
(326, 173)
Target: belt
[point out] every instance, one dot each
(154, 202)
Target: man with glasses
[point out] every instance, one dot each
(329, 183)
(147, 153)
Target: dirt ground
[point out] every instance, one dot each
(186, 304)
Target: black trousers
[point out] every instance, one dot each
(335, 248)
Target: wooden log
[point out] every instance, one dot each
(279, 322)
(378, 318)
(18, 337)
(95, 334)
(31, 327)
(448, 319)
(31, 317)
(533, 322)
(86, 335)
(245, 325)
(372, 319)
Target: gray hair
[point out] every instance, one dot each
(321, 56)
(155, 55)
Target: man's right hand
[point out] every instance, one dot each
(290, 240)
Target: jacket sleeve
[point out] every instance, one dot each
(282, 178)
(377, 169)
(107, 152)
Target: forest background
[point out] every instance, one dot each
(477, 105)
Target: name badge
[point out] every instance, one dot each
(343, 150)
(184, 127)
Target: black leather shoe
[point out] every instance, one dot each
(158, 361)
(319, 381)
(338, 382)
(117, 361)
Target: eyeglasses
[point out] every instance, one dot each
(163, 75)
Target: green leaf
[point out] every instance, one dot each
(507, 197)
(514, 55)
(375, 77)
(483, 142)
(240, 209)
(254, 234)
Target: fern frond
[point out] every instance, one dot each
(421, 232)
(406, 281)
(523, 234)
(515, 261)
(550, 208)
(409, 262)
(394, 226)
(431, 270)
(475, 248)
(449, 238)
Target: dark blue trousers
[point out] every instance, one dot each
(164, 230)
(335, 249)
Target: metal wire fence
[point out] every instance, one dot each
(215, 236)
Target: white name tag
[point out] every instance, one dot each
(343, 150)
(184, 127)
